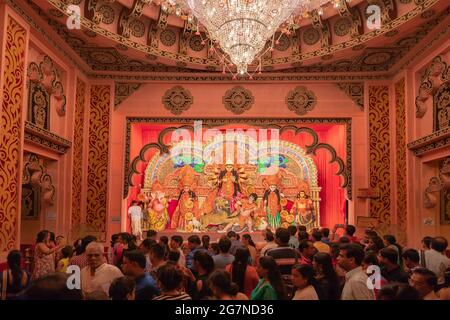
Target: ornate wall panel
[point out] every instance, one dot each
(380, 154)
(97, 183)
(10, 134)
(400, 124)
(441, 107)
(77, 171)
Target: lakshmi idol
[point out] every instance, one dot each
(302, 209)
(187, 206)
(157, 208)
(272, 201)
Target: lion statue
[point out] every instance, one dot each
(220, 215)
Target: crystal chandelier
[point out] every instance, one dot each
(242, 28)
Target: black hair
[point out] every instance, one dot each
(370, 258)
(343, 240)
(301, 228)
(274, 275)
(121, 287)
(14, 261)
(205, 261)
(325, 232)
(67, 252)
(390, 239)
(292, 230)
(205, 241)
(304, 244)
(249, 239)
(303, 235)
(353, 250)
(41, 236)
(378, 244)
(317, 235)
(239, 267)
(178, 239)
(222, 280)
(268, 235)
(398, 291)
(164, 239)
(326, 263)
(350, 230)
(215, 248)
(148, 243)
(169, 277)
(427, 241)
(237, 188)
(371, 233)
(266, 196)
(194, 239)
(283, 235)
(85, 241)
(231, 234)
(190, 192)
(151, 233)
(411, 254)
(224, 244)
(114, 238)
(52, 287)
(430, 276)
(52, 236)
(173, 255)
(307, 273)
(136, 256)
(439, 244)
(158, 250)
(390, 254)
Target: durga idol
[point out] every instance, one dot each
(229, 187)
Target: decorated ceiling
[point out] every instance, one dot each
(137, 38)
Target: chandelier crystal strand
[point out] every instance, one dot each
(243, 27)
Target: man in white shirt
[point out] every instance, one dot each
(98, 275)
(356, 284)
(435, 258)
(135, 213)
(176, 242)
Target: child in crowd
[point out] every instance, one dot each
(63, 263)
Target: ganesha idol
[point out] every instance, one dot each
(158, 216)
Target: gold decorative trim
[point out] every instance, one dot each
(380, 155)
(353, 90)
(394, 23)
(301, 100)
(432, 142)
(177, 100)
(401, 173)
(434, 76)
(238, 100)
(45, 138)
(123, 91)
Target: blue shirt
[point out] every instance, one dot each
(190, 256)
(146, 287)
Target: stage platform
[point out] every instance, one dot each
(214, 235)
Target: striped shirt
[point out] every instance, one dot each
(180, 296)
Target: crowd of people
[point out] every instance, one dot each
(291, 264)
